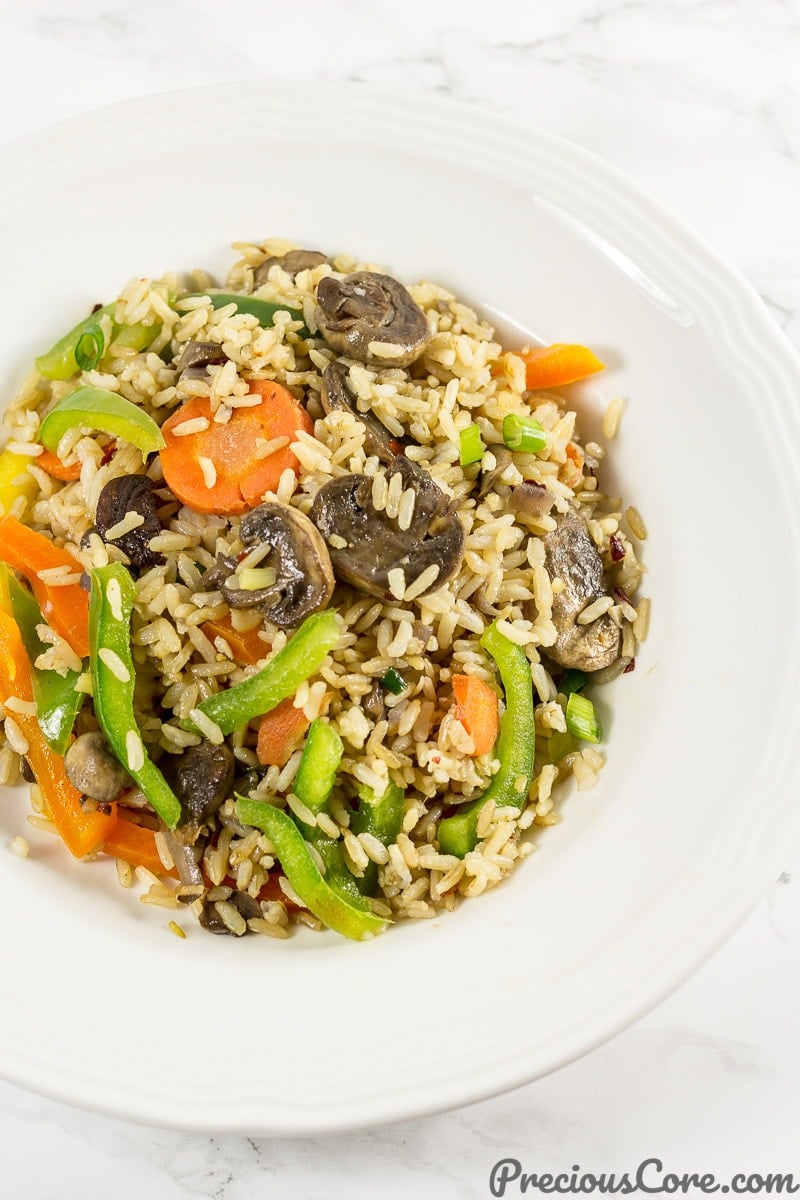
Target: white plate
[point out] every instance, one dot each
(647, 874)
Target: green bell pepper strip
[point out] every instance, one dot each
(263, 310)
(319, 763)
(96, 409)
(382, 817)
(516, 746)
(301, 657)
(60, 362)
(109, 630)
(54, 695)
(313, 785)
(353, 920)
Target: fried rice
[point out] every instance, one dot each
(413, 739)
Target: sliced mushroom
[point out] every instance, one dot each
(298, 555)
(197, 357)
(186, 855)
(502, 459)
(335, 395)
(93, 770)
(293, 262)
(201, 778)
(372, 318)
(119, 498)
(244, 904)
(366, 545)
(531, 499)
(571, 555)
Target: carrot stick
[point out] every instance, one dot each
(217, 469)
(53, 465)
(559, 364)
(81, 832)
(65, 608)
(136, 845)
(476, 709)
(248, 648)
(280, 733)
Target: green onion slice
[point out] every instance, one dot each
(582, 719)
(523, 433)
(470, 445)
(89, 347)
(394, 682)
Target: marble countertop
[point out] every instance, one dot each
(699, 101)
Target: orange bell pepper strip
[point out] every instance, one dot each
(65, 608)
(280, 733)
(477, 710)
(81, 832)
(136, 845)
(248, 648)
(559, 364)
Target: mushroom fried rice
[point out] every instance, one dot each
(308, 588)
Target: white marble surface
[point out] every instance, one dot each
(699, 100)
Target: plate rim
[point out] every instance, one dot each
(731, 906)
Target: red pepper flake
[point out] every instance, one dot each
(96, 308)
(622, 595)
(630, 667)
(617, 548)
(108, 453)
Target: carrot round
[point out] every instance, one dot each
(217, 469)
(280, 733)
(53, 465)
(476, 709)
(556, 365)
(248, 648)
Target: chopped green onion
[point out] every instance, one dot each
(89, 347)
(582, 720)
(524, 434)
(470, 445)
(393, 682)
(558, 746)
(572, 681)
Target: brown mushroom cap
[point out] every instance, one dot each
(293, 262)
(304, 576)
(92, 768)
(372, 318)
(124, 495)
(374, 543)
(197, 357)
(201, 778)
(571, 555)
(335, 395)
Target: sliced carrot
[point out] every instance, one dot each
(81, 832)
(248, 648)
(65, 608)
(136, 845)
(53, 465)
(561, 363)
(280, 733)
(476, 709)
(235, 478)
